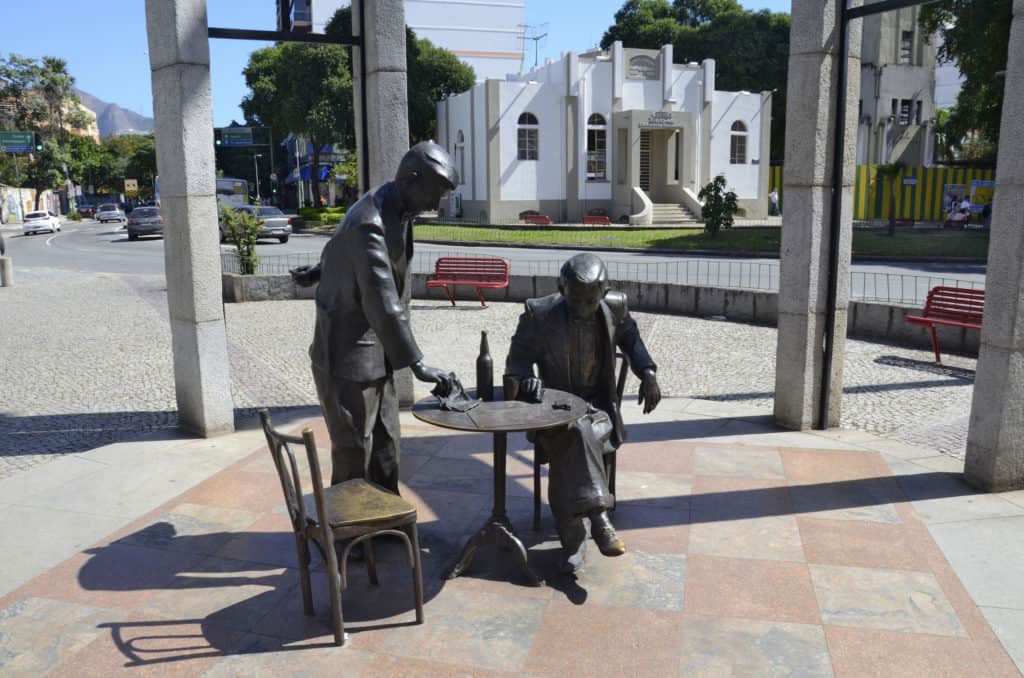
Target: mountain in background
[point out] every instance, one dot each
(112, 119)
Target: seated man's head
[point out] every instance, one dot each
(425, 174)
(583, 282)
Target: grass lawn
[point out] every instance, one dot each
(906, 243)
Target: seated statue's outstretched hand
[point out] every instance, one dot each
(531, 390)
(650, 392)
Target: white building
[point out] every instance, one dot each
(485, 34)
(614, 132)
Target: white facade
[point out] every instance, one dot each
(614, 132)
(485, 34)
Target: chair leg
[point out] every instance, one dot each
(449, 293)
(334, 582)
(302, 548)
(480, 296)
(536, 492)
(609, 469)
(371, 563)
(935, 344)
(417, 574)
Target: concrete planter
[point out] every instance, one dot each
(239, 288)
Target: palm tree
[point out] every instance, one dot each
(891, 172)
(56, 85)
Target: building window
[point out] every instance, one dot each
(642, 68)
(738, 144)
(460, 156)
(528, 136)
(597, 148)
(905, 111)
(917, 112)
(906, 47)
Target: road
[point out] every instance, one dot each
(88, 246)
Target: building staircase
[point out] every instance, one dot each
(673, 213)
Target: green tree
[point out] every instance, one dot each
(719, 206)
(46, 171)
(243, 232)
(305, 89)
(434, 73)
(751, 49)
(24, 108)
(976, 37)
(890, 173)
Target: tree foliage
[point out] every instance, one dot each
(719, 206)
(243, 232)
(751, 49)
(46, 171)
(976, 37)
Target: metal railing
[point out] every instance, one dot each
(894, 288)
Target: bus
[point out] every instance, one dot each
(232, 192)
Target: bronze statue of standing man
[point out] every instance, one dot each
(572, 337)
(362, 332)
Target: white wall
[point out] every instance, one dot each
(726, 109)
(459, 112)
(473, 26)
(480, 139)
(542, 179)
(595, 96)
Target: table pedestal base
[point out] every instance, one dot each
(497, 531)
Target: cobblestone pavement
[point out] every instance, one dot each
(85, 360)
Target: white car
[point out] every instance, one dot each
(40, 221)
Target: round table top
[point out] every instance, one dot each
(499, 416)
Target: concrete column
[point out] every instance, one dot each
(811, 121)
(386, 136)
(995, 439)
(179, 58)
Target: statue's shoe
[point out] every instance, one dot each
(603, 532)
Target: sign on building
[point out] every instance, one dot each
(131, 185)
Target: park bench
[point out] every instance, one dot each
(479, 272)
(597, 220)
(953, 306)
(538, 219)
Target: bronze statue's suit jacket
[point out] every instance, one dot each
(362, 329)
(542, 339)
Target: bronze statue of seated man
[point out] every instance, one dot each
(572, 337)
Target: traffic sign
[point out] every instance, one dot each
(236, 136)
(16, 142)
(131, 185)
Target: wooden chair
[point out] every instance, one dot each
(351, 512)
(609, 459)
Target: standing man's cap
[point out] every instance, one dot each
(427, 157)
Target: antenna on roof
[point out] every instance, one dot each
(535, 32)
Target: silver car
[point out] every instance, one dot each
(274, 222)
(145, 221)
(109, 212)
(40, 220)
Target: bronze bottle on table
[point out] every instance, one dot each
(484, 371)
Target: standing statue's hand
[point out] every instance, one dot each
(306, 276)
(444, 380)
(531, 390)
(650, 393)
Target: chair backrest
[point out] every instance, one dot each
(471, 268)
(288, 469)
(620, 383)
(955, 303)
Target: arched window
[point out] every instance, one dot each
(528, 137)
(738, 144)
(597, 148)
(460, 155)
(643, 68)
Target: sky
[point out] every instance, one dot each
(105, 44)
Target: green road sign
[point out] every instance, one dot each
(16, 142)
(236, 136)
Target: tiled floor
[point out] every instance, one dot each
(743, 560)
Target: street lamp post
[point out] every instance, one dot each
(257, 163)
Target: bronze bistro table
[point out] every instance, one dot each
(501, 417)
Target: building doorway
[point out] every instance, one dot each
(645, 160)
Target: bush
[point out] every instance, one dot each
(74, 215)
(322, 214)
(719, 206)
(243, 232)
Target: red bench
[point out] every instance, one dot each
(480, 272)
(953, 306)
(596, 220)
(538, 219)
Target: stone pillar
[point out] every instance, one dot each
(386, 136)
(811, 120)
(995, 439)
(179, 57)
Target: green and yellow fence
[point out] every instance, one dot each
(920, 192)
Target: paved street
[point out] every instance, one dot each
(86, 361)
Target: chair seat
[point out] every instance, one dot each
(360, 503)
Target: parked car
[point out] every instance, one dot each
(87, 211)
(145, 221)
(275, 223)
(41, 220)
(109, 212)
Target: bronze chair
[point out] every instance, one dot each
(609, 459)
(351, 512)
